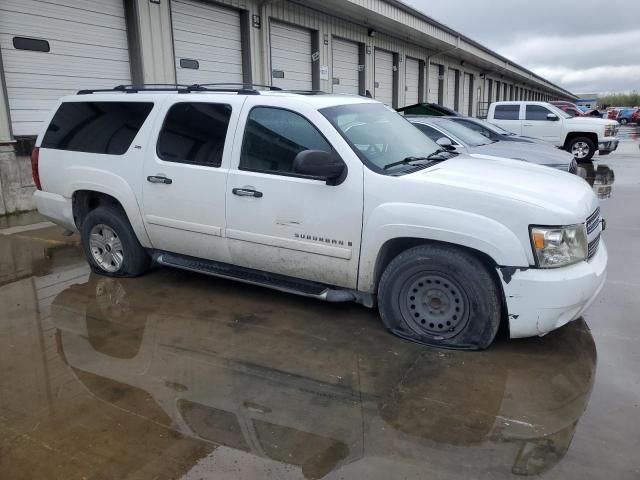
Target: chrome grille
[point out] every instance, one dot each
(593, 221)
(593, 247)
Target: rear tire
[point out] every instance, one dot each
(442, 296)
(110, 244)
(582, 149)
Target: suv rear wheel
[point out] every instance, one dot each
(110, 244)
(442, 296)
(582, 148)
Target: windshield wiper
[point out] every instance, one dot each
(432, 157)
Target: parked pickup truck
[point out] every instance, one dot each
(332, 197)
(581, 136)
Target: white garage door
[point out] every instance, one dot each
(451, 89)
(434, 83)
(466, 95)
(383, 77)
(345, 58)
(206, 42)
(412, 81)
(51, 49)
(291, 65)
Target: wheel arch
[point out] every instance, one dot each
(573, 135)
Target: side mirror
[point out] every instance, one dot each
(552, 117)
(320, 165)
(445, 143)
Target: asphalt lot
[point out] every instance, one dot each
(176, 375)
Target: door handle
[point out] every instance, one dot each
(159, 179)
(246, 192)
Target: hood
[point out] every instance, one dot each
(591, 120)
(566, 197)
(538, 153)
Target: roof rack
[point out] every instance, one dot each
(241, 88)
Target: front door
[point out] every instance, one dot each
(537, 125)
(185, 175)
(284, 223)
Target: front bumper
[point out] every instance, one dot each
(608, 146)
(541, 300)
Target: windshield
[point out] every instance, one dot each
(379, 135)
(466, 135)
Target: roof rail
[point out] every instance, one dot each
(241, 88)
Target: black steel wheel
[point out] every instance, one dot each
(441, 295)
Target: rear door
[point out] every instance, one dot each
(508, 117)
(284, 223)
(185, 175)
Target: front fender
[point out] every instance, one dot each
(103, 181)
(440, 224)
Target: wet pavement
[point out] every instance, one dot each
(176, 375)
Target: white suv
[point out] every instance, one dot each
(332, 197)
(581, 136)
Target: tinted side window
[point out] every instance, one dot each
(507, 112)
(194, 133)
(432, 133)
(474, 126)
(96, 127)
(536, 112)
(273, 137)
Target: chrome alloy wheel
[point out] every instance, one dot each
(106, 248)
(434, 305)
(580, 150)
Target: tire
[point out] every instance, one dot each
(582, 149)
(624, 121)
(462, 305)
(120, 255)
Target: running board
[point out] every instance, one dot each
(274, 281)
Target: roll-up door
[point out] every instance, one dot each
(383, 74)
(466, 95)
(412, 81)
(53, 48)
(434, 83)
(207, 43)
(345, 60)
(451, 89)
(291, 63)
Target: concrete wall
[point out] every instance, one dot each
(16, 182)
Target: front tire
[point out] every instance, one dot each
(110, 244)
(582, 149)
(442, 296)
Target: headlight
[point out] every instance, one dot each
(610, 131)
(559, 246)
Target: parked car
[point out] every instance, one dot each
(635, 118)
(327, 196)
(446, 132)
(626, 115)
(578, 135)
(431, 109)
(568, 107)
(492, 131)
(612, 113)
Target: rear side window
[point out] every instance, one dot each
(507, 112)
(96, 127)
(273, 137)
(194, 133)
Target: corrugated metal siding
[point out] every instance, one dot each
(384, 77)
(210, 35)
(88, 49)
(434, 83)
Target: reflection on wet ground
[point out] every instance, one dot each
(104, 377)
(176, 375)
(601, 177)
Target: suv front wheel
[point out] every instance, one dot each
(442, 296)
(110, 244)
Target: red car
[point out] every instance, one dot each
(636, 117)
(613, 114)
(571, 108)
